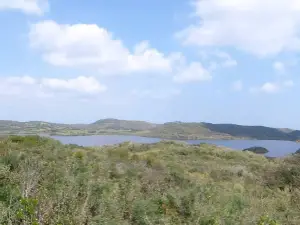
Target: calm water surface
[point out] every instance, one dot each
(276, 148)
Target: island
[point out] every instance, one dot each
(257, 150)
(297, 152)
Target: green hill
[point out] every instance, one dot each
(116, 124)
(171, 130)
(185, 131)
(168, 183)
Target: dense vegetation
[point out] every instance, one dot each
(172, 130)
(257, 150)
(45, 182)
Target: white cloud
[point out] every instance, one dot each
(21, 80)
(217, 59)
(80, 84)
(227, 60)
(27, 6)
(273, 87)
(237, 85)
(259, 27)
(194, 72)
(279, 67)
(46, 87)
(270, 87)
(93, 46)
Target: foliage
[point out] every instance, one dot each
(44, 182)
(265, 220)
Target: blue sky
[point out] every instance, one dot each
(214, 61)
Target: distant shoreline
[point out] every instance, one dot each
(171, 130)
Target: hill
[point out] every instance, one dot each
(253, 132)
(185, 131)
(45, 182)
(115, 124)
(171, 130)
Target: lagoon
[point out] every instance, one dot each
(276, 148)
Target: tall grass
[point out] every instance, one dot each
(45, 182)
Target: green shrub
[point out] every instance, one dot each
(265, 220)
(33, 140)
(27, 212)
(284, 176)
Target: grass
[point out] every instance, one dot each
(45, 182)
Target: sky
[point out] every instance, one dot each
(218, 61)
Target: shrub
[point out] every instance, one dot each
(265, 220)
(284, 176)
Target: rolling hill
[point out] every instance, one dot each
(170, 130)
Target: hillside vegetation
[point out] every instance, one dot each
(171, 130)
(185, 131)
(44, 182)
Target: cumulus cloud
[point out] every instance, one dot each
(273, 87)
(93, 46)
(217, 59)
(270, 87)
(259, 27)
(27, 80)
(81, 84)
(26, 86)
(27, 6)
(226, 59)
(192, 73)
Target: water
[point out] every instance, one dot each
(276, 148)
(99, 140)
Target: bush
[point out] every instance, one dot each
(265, 220)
